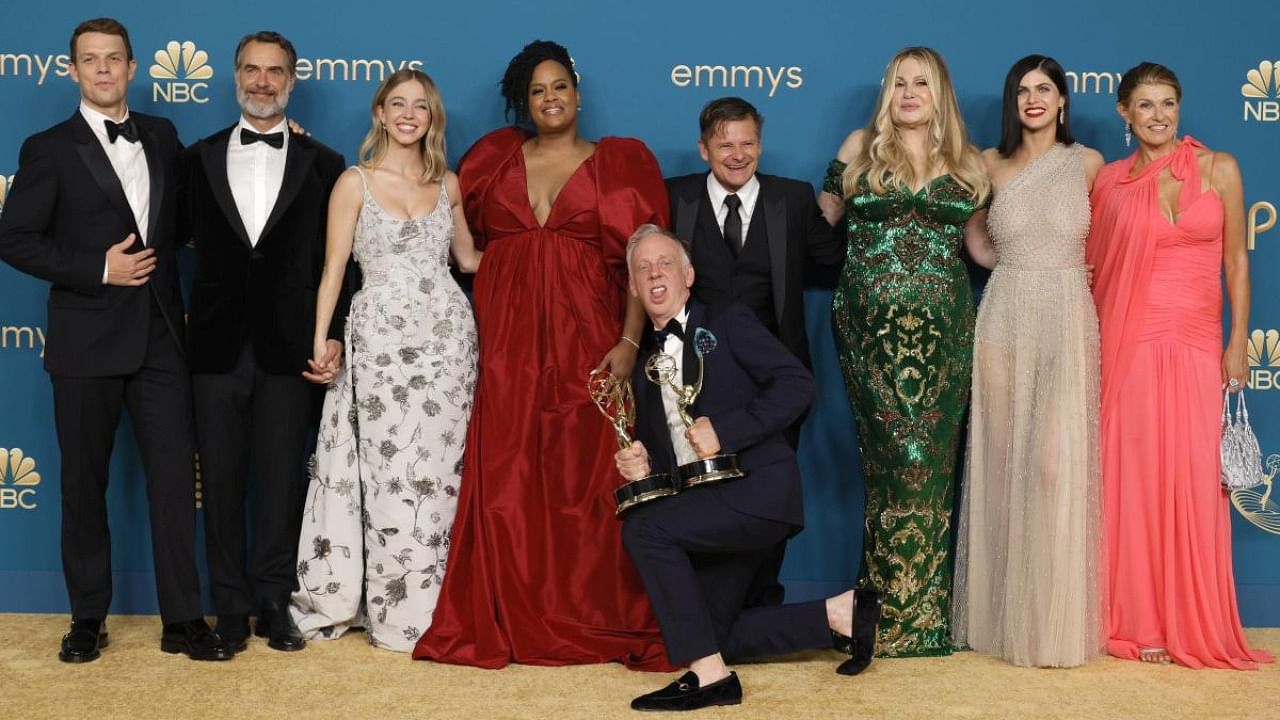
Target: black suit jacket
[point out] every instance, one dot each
(66, 208)
(753, 390)
(798, 234)
(263, 294)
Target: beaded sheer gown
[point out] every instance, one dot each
(903, 316)
(1027, 551)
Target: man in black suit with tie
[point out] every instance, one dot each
(258, 199)
(751, 236)
(698, 551)
(93, 210)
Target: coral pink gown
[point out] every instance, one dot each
(537, 572)
(1158, 290)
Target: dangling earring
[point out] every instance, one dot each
(1060, 114)
(1128, 135)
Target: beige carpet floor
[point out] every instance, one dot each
(349, 679)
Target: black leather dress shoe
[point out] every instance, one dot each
(234, 629)
(83, 642)
(275, 624)
(196, 640)
(684, 694)
(866, 616)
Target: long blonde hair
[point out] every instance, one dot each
(884, 158)
(431, 145)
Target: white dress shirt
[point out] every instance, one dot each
(748, 194)
(130, 163)
(674, 347)
(255, 173)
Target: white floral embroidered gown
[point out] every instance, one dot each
(384, 479)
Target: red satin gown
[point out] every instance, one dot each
(1158, 289)
(537, 573)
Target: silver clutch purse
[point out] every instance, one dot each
(1241, 456)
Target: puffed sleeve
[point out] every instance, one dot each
(631, 193)
(478, 169)
(834, 181)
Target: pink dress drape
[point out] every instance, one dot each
(1158, 289)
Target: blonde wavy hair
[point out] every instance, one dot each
(884, 158)
(431, 145)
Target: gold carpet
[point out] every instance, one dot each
(349, 679)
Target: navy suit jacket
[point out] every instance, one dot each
(753, 389)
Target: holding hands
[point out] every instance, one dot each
(325, 362)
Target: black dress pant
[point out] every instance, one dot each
(86, 414)
(697, 558)
(251, 421)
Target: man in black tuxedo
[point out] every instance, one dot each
(258, 199)
(93, 210)
(698, 551)
(751, 236)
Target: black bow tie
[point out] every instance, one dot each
(673, 327)
(127, 130)
(249, 137)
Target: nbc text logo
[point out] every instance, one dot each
(1264, 359)
(18, 480)
(1261, 92)
(176, 69)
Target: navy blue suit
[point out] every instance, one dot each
(698, 552)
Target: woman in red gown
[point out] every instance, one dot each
(1166, 222)
(537, 573)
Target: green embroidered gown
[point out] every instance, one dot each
(904, 314)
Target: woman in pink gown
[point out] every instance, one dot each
(1166, 222)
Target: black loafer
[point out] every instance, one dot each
(275, 624)
(234, 629)
(684, 694)
(83, 642)
(194, 639)
(866, 616)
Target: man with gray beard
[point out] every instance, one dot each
(256, 197)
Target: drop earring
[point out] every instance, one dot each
(1060, 109)
(1128, 135)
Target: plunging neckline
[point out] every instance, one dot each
(528, 202)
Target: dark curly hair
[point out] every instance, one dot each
(515, 81)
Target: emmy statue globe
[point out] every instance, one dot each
(617, 403)
(661, 370)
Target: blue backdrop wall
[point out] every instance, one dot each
(812, 68)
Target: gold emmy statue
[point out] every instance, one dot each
(660, 369)
(618, 405)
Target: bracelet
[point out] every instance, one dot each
(634, 344)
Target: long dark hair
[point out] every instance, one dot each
(1011, 120)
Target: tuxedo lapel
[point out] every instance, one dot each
(687, 213)
(213, 156)
(155, 164)
(297, 164)
(99, 166)
(775, 222)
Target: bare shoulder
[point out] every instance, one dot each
(349, 185)
(852, 146)
(451, 186)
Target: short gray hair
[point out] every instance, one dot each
(648, 229)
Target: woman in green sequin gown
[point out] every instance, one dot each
(904, 314)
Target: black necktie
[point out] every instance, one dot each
(673, 327)
(127, 130)
(249, 137)
(733, 223)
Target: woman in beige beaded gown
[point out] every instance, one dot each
(1027, 559)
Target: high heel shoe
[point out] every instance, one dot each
(862, 646)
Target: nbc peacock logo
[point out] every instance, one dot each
(18, 480)
(1257, 504)
(180, 70)
(1261, 92)
(1264, 359)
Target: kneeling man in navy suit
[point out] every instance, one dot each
(698, 551)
